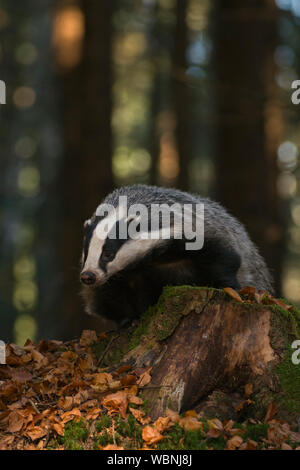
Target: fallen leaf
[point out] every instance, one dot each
(58, 428)
(88, 337)
(248, 390)
(233, 293)
(145, 378)
(116, 402)
(271, 412)
(15, 421)
(93, 413)
(128, 380)
(102, 378)
(66, 403)
(285, 446)
(111, 447)
(139, 416)
(191, 413)
(36, 432)
(6, 441)
(190, 424)
(248, 290)
(151, 435)
(69, 415)
(20, 375)
(161, 424)
(135, 400)
(234, 442)
(173, 415)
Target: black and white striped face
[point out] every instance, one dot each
(105, 255)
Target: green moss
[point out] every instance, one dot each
(99, 347)
(178, 438)
(75, 434)
(142, 328)
(104, 422)
(103, 440)
(53, 444)
(289, 378)
(130, 431)
(217, 444)
(255, 432)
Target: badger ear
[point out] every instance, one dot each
(86, 223)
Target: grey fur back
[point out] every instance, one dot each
(218, 223)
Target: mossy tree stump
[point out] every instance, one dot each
(203, 347)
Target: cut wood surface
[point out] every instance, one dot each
(202, 346)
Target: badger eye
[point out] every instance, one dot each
(107, 255)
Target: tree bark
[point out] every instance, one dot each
(250, 122)
(180, 95)
(202, 347)
(86, 170)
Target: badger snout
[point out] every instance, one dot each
(88, 277)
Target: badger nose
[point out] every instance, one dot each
(87, 277)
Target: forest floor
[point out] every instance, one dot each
(56, 395)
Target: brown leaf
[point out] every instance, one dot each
(135, 400)
(93, 413)
(36, 432)
(173, 415)
(151, 435)
(20, 375)
(128, 380)
(248, 290)
(88, 337)
(248, 390)
(233, 293)
(86, 363)
(58, 428)
(66, 403)
(234, 442)
(116, 402)
(69, 415)
(251, 445)
(190, 424)
(39, 358)
(281, 304)
(102, 378)
(271, 412)
(285, 446)
(124, 368)
(145, 378)
(191, 413)
(111, 447)
(161, 424)
(139, 415)
(15, 421)
(6, 442)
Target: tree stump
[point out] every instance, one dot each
(203, 347)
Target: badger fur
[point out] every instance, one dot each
(122, 277)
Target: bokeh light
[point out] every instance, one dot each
(24, 97)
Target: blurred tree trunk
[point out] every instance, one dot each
(249, 122)
(87, 173)
(180, 93)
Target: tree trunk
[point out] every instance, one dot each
(249, 122)
(87, 173)
(180, 94)
(202, 347)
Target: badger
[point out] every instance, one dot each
(122, 274)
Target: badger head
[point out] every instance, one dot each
(109, 249)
